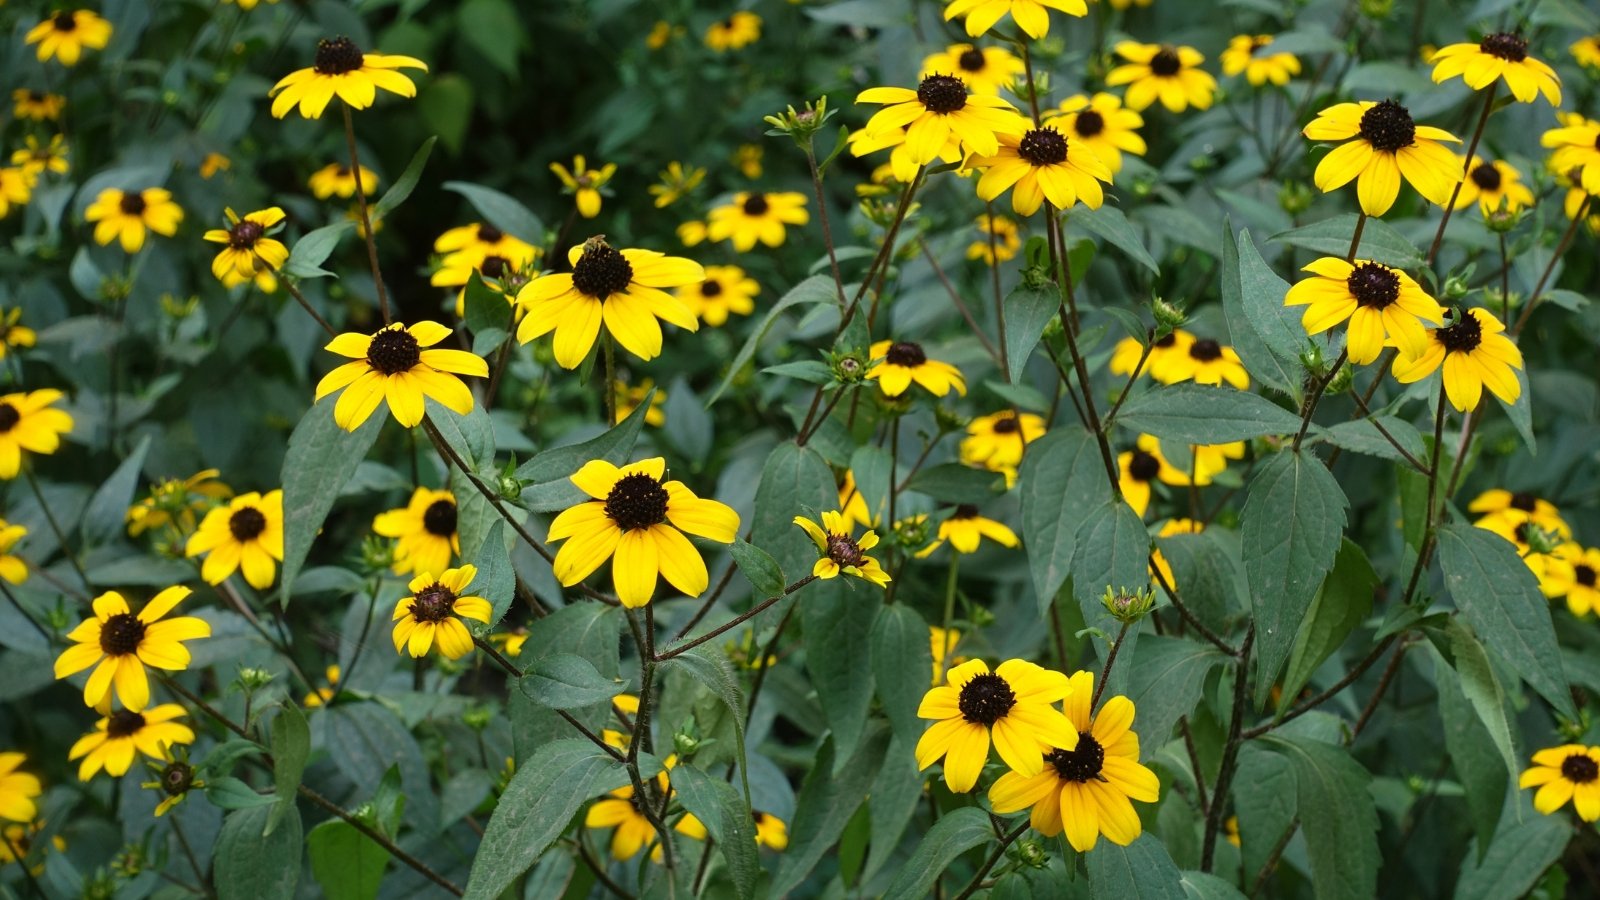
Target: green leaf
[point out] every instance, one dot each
(564, 681)
(501, 211)
(1167, 684)
(955, 833)
(894, 798)
(227, 792)
(828, 798)
(1292, 519)
(873, 468)
(1481, 688)
(836, 617)
(544, 794)
(488, 316)
(1521, 412)
(586, 630)
(1266, 334)
(811, 371)
(816, 289)
(445, 106)
(1265, 801)
(1519, 855)
(794, 481)
(471, 435)
(366, 741)
(313, 248)
(1199, 414)
(1140, 871)
(496, 581)
(1331, 237)
(724, 813)
(955, 483)
(1108, 222)
(494, 29)
(250, 864)
(1344, 602)
(1500, 599)
(548, 475)
(902, 657)
(1206, 571)
(1201, 886)
(103, 518)
(1112, 550)
(347, 864)
(1477, 764)
(320, 459)
(406, 183)
(758, 567)
(1028, 311)
(714, 672)
(1341, 824)
(291, 746)
(1362, 436)
(1062, 477)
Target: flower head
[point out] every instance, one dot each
(1586, 51)
(1042, 165)
(1474, 352)
(1164, 352)
(1013, 706)
(23, 840)
(13, 333)
(115, 739)
(127, 215)
(17, 789)
(943, 642)
(395, 365)
(621, 810)
(1548, 554)
(322, 696)
(585, 184)
(498, 257)
(753, 216)
(629, 397)
(1576, 149)
(771, 832)
(12, 568)
(16, 188)
(119, 644)
(246, 534)
(987, 70)
(998, 239)
(734, 33)
(433, 612)
(250, 254)
(175, 502)
(1381, 304)
(36, 158)
(426, 530)
(1569, 772)
(838, 551)
(175, 778)
(213, 163)
(676, 181)
(1252, 56)
(342, 70)
(726, 291)
(336, 180)
(1203, 360)
(66, 34)
(1032, 16)
(1504, 56)
(29, 422)
(37, 106)
(1493, 185)
(1382, 146)
(940, 111)
(966, 527)
(900, 363)
(1158, 563)
(1165, 72)
(1102, 124)
(996, 441)
(1541, 512)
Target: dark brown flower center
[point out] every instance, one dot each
(905, 353)
(65, 21)
(1089, 123)
(1579, 769)
(710, 288)
(942, 93)
(1509, 47)
(1373, 285)
(1166, 62)
(394, 350)
(971, 59)
(1257, 44)
(1524, 501)
(132, 204)
(1486, 177)
(244, 234)
(1584, 574)
(494, 266)
(843, 549)
(177, 778)
(123, 723)
(1205, 350)
(440, 518)
(1388, 127)
(1166, 340)
(247, 524)
(637, 501)
(1462, 336)
(9, 417)
(121, 634)
(756, 205)
(1043, 147)
(1143, 466)
(1007, 425)
(986, 699)
(489, 234)
(965, 511)
(1082, 764)
(435, 603)
(602, 270)
(338, 56)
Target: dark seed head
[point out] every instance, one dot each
(9, 417)
(965, 511)
(489, 234)
(1257, 44)
(1579, 769)
(1584, 574)
(132, 203)
(971, 59)
(905, 353)
(65, 21)
(1043, 147)
(121, 634)
(177, 778)
(1089, 123)
(435, 603)
(986, 699)
(123, 723)
(756, 204)
(1205, 350)
(439, 519)
(394, 350)
(338, 56)
(1388, 127)
(1509, 47)
(1486, 177)
(1166, 62)
(1082, 764)
(247, 524)
(1374, 285)
(942, 93)
(1461, 336)
(637, 501)
(244, 234)
(1007, 425)
(1143, 466)
(710, 288)
(1166, 340)
(1524, 501)
(843, 549)
(494, 266)
(602, 270)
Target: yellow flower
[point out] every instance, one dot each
(676, 181)
(640, 519)
(633, 831)
(1577, 580)
(16, 187)
(65, 35)
(621, 288)
(726, 291)
(691, 233)
(116, 737)
(584, 183)
(1541, 512)
(1163, 352)
(120, 644)
(662, 32)
(1381, 304)
(1042, 165)
(1382, 146)
(1143, 465)
(899, 363)
(1493, 185)
(987, 70)
(1101, 124)
(37, 106)
(1474, 352)
(1547, 554)
(1162, 71)
(839, 552)
(1587, 51)
(996, 441)
(944, 642)
(1569, 772)
(125, 216)
(1006, 240)
(214, 163)
(622, 705)
(902, 165)
(852, 505)
(480, 241)
(334, 179)
(754, 216)
(12, 569)
(28, 422)
(175, 501)
(1032, 16)
(747, 159)
(1575, 202)
(1247, 53)
(426, 530)
(1085, 790)
(13, 334)
(770, 831)
(1503, 56)
(394, 365)
(510, 642)
(939, 111)
(1158, 562)
(36, 158)
(429, 614)
(246, 534)
(1206, 362)
(1014, 705)
(965, 528)
(499, 261)
(341, 69)
(22, 839)
(250, 255)
(1576, 146)
(17, 789)
(735, 32)
(629, 398)
(322, 696)
(248, 5)
(1230, 830)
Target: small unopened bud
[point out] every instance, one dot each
(1295, 197)
(478, 717)
(1128, 605)
(980, 617)
(253, 679)
(1030, 852)
(1455, 288)
(800, 124)
(1342, 380)
(1169, 316)
(848, 368)
(912, 532)
(1377, 9)
(685, 744)
(1311, 358)
(1502, 220)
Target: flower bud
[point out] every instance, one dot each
(1128, 605)
(1169, 316)
(1455, 288)
(684, 744)
(1342, 379)
(1030, 852)
(254, 679)
(1295, 197)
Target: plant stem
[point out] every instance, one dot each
(609, 353)
(1105, 673)
(366, 215)
(994, 857)
(1477, 135)
(1349, 679)
(1550, 267)
(61, 537)
(1230, 755)
(735, 622)
(1309, 408)
(1064, 276)
(822, 219)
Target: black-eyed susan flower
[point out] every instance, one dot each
(36, 158)
(116, 739)
(726, 291)
(324, 694)
(628, 397)
(1504, 56)
(1139, 468)
(486, 250)
(12, 569)
(1014, 706)
(29, 422)
(1575, 148)
(1158, 562)
(1125, 355)
(13, 333)
(1162, 72)
(342, 70)
(755, 216)
(433, 612)
(482, 240)
(66, 34)
(1087, 789)
(676, 181)
(996, 441)
(37, 106)
(987, 70)
(1569, 772)
(620, 810)
(1382, 146)
(1542, 512)
(736, 32)
(838, 552)
(1102, 124)
(637, 520)
(175, 778)
(397, 366)
(585, 184)
(1493, 185)
(246, 535)
(662, 32)
(899, 364)
(1548, 554)
(336, 180)
(939, 110)
(966, 527)
(1032, 16)
(250, 254)
(1204, 361)
(213, 163)
(1586, 51)
(22, 840)
(1577, 201)
(1381, 304)
(1577, 581)
(942, 644)
(747, 159)
(127, 215)
(771, 832)
(692, 232)
(176, 501)
(1474, 352)
(119, 644)
(425, 529)
(1252, 56)
(1041, 165)
(620, 288)
(999, 239)
(17, 789)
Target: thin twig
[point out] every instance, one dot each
(735, 622)
(1230, 755)
(366, 215)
